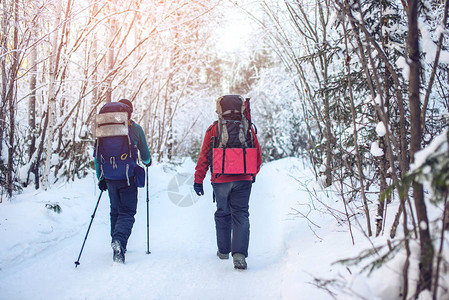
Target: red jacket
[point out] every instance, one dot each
(203, 160)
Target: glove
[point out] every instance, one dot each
(102, 185)
(198, 187)
(148, 164)
(254, 179)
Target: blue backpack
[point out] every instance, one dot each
(115, 150)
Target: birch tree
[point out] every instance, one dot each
(51, 108)
(72, 67)
(15, 38)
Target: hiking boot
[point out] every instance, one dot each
(119, 252)
(222, 256)
(239, 261)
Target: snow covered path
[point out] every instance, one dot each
(37, 259)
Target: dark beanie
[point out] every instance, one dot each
(127, 102)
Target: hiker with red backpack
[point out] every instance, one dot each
(232, 151)
(118, 141)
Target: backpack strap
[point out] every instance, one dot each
(130, 137)
(242, 136)
(223, 135)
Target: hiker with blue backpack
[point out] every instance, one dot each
(232, 151)
(118, 141)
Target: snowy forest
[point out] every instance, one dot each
(356, 90)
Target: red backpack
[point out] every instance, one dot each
(232, 150)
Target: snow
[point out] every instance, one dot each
(423, 225)
(428, 46)
(441, 31)
(378, 100)
(294, 244)
(376, 150)
(369, 99)
(380, 129)
(4, 152)
(438, 144)
(401, 63)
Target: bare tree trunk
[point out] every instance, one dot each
(4, 80)
(356, 144)
(324, 60)
(382, 161)
(391, 142)
(383, 201)
(111, 52)
(94, 53)
(61, 47)
(313, 29)
(434, 69)
(40, 150)
(329, 139)
(11, 98)
(32, 100)
(427, 252)
(168, 124)
(52, 95)
(406, 266)
(169, 127)
(439, 256)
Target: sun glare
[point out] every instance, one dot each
(235, 33)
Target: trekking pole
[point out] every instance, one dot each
(148, 216)
(77, 262)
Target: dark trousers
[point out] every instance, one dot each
(123, 208)
(232, 216)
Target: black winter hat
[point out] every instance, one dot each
(127, 102)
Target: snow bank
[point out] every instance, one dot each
(295, 242)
